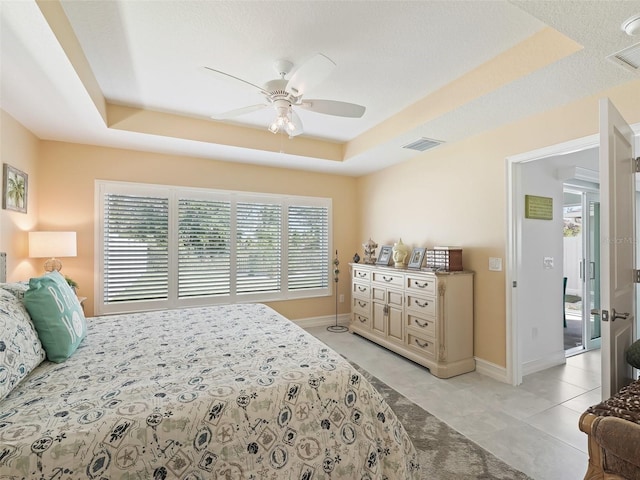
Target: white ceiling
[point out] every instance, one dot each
(389, 55)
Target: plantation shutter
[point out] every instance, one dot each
(162, 246)
(259, 247)
(204, 248)
(136, 255)
(308, 247)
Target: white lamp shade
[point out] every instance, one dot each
(52, 244)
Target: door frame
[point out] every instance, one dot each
(513, 219)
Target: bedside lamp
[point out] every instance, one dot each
(52, 245)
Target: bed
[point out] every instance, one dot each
(223, 392)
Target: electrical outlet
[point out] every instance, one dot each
(547, 262)
(341, 298)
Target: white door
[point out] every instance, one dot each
(617, 197)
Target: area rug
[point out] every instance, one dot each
(444, 453)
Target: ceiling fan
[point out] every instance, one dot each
(285, 95)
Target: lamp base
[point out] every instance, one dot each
(337, 328)
(52, 264)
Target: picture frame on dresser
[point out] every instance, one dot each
(385, 255)
(416, 258)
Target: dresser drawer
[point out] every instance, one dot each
(424, 325)
(361, 274)
(361, 320)
(361, 306)
(425, 284)
(361, 290)
(424, 346)
(389, 278)
(424, 305)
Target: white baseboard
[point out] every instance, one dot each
(540, 364)
(491, 370)
(325, 321)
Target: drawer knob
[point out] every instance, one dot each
(362, 304)
(387, 279)
(422, 325)
(362, 274)
(362, 289)
(421, 285)
(421, 305)
(421, 345)
(362, 319)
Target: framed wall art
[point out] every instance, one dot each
(15, 184)
(385, 255)
(416, 258)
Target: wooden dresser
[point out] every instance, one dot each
(426, 317)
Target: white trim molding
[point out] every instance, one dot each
(492, 370)
(325, 321)
(540, 364)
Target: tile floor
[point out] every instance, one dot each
(533, 427)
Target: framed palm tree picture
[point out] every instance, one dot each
(14, 189)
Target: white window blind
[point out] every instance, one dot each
(204, 248)
(259, 244)
(136, 255)
(166, 247)
(307, 253)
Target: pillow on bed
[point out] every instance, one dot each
(56, 314)
(20, 347)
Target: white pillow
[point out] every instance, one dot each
(20, 347)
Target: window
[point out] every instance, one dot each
(165, 247)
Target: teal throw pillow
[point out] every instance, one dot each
(57, 315)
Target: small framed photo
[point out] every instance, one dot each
(385, 255)
(14, 189)
(417, 256)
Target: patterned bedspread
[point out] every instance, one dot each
(227, 392)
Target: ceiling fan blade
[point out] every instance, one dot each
(333, 107)
(310, 73)
(238, 111)
(262, 90)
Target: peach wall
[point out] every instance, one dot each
(19, 148)
(456, 195)
(67, 201)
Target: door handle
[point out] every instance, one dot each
(604, 314)
(615, 315)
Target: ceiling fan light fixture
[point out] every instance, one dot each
(283, 122)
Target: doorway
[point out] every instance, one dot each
(526, 352)
(581, 265)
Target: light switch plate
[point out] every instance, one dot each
(495, 264)
(547, 262)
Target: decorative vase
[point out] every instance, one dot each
(356, 258)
